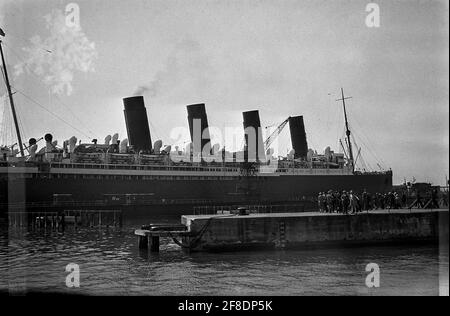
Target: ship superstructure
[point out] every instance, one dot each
(135, 171)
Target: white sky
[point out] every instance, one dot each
(284, 58)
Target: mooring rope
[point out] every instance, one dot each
(198, 236)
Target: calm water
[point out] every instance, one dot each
(110, 263)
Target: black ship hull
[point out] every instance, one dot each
(178, 196)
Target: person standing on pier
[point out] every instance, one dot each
(388, 200)
(404, 200)
(353, 203)
(358, 203)
(370, 201)
(320, 202)
(324, 203)
(397, 201)
(365, 200)
(376, 201)
(345, 202)
(329, 202)
(382, 201)
(336, 202)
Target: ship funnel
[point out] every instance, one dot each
(254, 146)
(198, 128)
(137, 123)
(298, 136)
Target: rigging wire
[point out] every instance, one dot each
(55, 115)
(360, 136)
(4, 77)
(4, 128)
(364, 163)
(372, 154)
(56, 96)
(19, 127)
(360, 155)
(369, 149)
(338, 118)
(24, 131)
(363, 134)
(313, 142)
(19, 122)
(7, 128)
(154, 131)
(25, 41)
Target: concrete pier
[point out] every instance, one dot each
(294, 230)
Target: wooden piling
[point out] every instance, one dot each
(154, 243)
(143, 242)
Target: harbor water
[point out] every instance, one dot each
(111, 264)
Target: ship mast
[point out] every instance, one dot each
(347, 130)
(11, 101)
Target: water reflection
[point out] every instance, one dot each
(111, 263)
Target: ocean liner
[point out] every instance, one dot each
(135, 173)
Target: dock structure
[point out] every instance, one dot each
(150, 239)
(230, 232)
(76, 218)
(149, 235)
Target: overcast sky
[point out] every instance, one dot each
(283, 58)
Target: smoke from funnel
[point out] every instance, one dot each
(186, 66)
(59, 57)
(141, 90)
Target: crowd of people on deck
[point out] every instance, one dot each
(351, 203)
